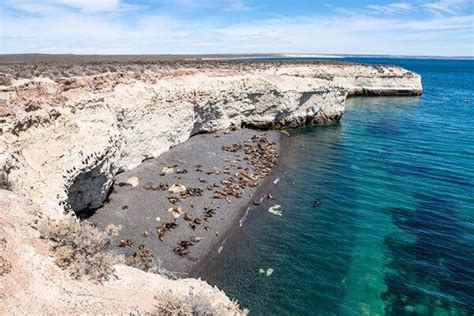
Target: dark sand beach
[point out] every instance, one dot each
(221, 174)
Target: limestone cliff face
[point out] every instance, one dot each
(64, 140)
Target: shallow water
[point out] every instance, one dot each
(378, 210)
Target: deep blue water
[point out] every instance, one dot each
(378, 211)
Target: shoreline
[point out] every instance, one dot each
(261, 194)
(133, 210)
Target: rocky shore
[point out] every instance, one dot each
(66, 139)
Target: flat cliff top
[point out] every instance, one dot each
(60, 66)
(212, 58)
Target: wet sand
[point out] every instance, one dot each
(221, 181)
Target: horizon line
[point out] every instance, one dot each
(294, 55)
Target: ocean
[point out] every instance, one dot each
(377, 211)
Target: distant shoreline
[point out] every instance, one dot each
(40, 58)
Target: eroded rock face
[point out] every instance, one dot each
(64, 140)
(4, 180)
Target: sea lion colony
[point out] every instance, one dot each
(260, 155)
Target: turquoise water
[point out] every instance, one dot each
(378, 210)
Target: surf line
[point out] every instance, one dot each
(221, 247)
(242, 220)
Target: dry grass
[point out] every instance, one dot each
(66, 66)
(80, 248)
(113, 230)
(169, 303)
(172, 304)
(5, 80)
(141, 259)
(5, 266)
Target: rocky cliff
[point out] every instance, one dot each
(63, 140)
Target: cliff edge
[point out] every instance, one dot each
(64, 139)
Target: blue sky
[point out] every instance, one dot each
(420, 27)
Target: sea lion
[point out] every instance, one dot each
(175, 211)
(196, 239)
(161, 235)
(173, 199)
(185, 243)
(197, 221)
(125, 243)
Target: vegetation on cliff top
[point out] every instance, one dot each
(80, 248)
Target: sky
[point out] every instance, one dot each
(417, 27)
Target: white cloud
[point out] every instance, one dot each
(437, 8)
(402, 6)
(446, 7)
(91, 5)
(85, 31)
(238, 5)
(190, 4)
(225, 5)
(392, 8)
(45, 8)
(55, 6)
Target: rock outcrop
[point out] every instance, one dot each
(63, 140)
